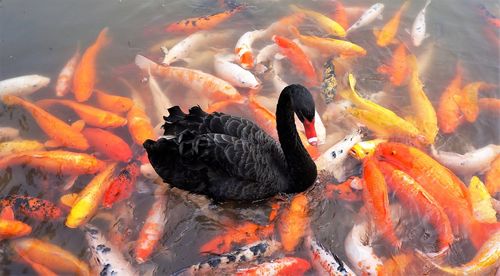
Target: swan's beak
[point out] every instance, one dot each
(310, 132)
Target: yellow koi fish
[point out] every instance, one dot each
(389, 31)
(323, 21)
(16, 146)
(481, 201)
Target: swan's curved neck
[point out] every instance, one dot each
(300, 165)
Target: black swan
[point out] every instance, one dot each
(230, 158)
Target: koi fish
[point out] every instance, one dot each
(486, 260)
(139, 125)
(390, 29)
(84, 77)
(470, 163)
(346, 191)
(364, 149)
(56, 162)
(108, 260)
(283, 266)
(297, 57)
(468, 100)
(183, 49)
(8, 133)
(329, 83)
(398, 69)
(294, 222)
(482, 206)
(490, 105)
(153, 228)
(234, 74)
(10, 228)
(194, 79)
(329, 46)
(418, 32)
(326, 261)
(16, 146)
(340, 15)
(32, 207)
(375, 197)
(360, 253)
(281, 26)
(488, 16)
(109, 144)
(60, 133)
(66, 76)
(448, 190)
(113, 103)
(89, 114)
(85, 206)
(425, 116)
(50, 256)
(413, 195)
(243, 47)
(248, 253)
(23, 86)
(160, 100)
(372, 13)
(327, 24)
(38, 268)
(448, 112)
(122, 185)
(492, 176)
(191, 25)
(265, 55)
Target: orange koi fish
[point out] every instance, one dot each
(85, 73)
(113, 103)
(329, 46)
(139, 125)
(191, 25)
(294, 222)
(390, 29)
(281, 26)
(197, 80)
(109, 144)
(376, 200)
(399, 69)
(90, 115)
(153, 228)
(60, 133)
(468, 100)
(412, 194)
(283, 266)
(448, 112)
(490, 105)
(66, 76)
(122, 185)
(297, 57)
(50, 256)
(344, 191)
(56, 162)
(11, 228)
(32, 207)
(340, 14)
(492, 177)
(448, 190)
(38, 268)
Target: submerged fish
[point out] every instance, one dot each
(492, 176)
(284, 266)
(65, 78)
(139, 125)
(184, 48)
(122, 185)
(327, 24)
(113, 103)
(32, 207)
(329, 83)
(327, 261)
(10, 228)
(191, 25)
(359, 251)
(233, 73)
(387, 34)
(418, 30)
(243, 47)
(109, 144)
(294, 222)
(368, 17)
(160, 101)
(448, 111)
(16, 146)
(481, 201)
(399, 68)
(297, 57)
(346, 191)
(23, 86)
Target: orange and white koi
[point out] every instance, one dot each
(329, 46)
(233, 73)
(492, 176)
(294, 222)
(139, 125)
(57, 130)
(50, 256)
(468, 100)
(64, 81)
(109, 144)
(191, 25)
(469, 163)
(448, 111)
(122, 185)
(390, 29)
(243, 47)
(297, 57)
(57, 162)
(89, 114)
(399, 69)
(197, 80)
(360, 252)
(325, 261)
(372, 13)
(489, 105)
(418, 32)
(84, 77)
(8, 133)
(32, 207)
(283, 266)
(15, 146)
(23, 85)
(89, 199)
(113, 103)
(323, 21)
(482, 206)
(153, 228)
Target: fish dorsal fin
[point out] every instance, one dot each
(52, 144)
(7, 213)
(68, 199)
(78, 125)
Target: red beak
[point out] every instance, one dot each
(310, 132)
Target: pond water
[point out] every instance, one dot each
(39, 37)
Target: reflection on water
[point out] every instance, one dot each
(38, 37)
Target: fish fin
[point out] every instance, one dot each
(294, 31)
(383, 69)
(260, 68)
(480, 232)
(78, 125)
(103, 38)
(70, 182)
(7, 213)
(143, 62)
(279, 56)
(68, 199)
(52, 144)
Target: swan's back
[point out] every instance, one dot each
(219, 155)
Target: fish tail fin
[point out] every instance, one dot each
(144, 63)
(351, 94)
(427, 3)
(103, 38)
(480, 232)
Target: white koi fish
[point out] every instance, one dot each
(470, 163)
(23, 85)
(418, 33)
(325, 261)
(368, 17)
(265, 55)
(233, 73)
(360, 252)
(160, 100)
(65, 79)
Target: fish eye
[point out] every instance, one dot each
(393, 152)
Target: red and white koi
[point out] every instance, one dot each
(23, 85)
(233, 73)
(283, 266)
(418, 32)
(325, 261)
(64, 81)
(243, 47)
(360, 252)
(470, 163)
(368, 17)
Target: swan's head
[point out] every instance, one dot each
(303, 106)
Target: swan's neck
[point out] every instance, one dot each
(300, 165)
